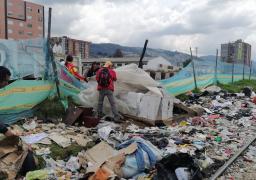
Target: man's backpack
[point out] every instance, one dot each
(104, 77)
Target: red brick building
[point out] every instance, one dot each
(21, 20)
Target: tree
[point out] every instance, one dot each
(118, 53)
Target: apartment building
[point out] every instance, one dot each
(74, 47)
(237, 52)
(21, 20)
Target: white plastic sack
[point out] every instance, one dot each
(130, 78)
(149, 106)
(133, 101)
(136, 93)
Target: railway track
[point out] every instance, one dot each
(223, 168)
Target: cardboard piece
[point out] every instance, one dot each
(80, 139)
(11, 157)
(111, 167)
(98, 155)
(102, 153)
(7, 145)
(60, 140)
(45, 141)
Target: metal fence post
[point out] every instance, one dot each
(243, 69)
(192, 61)
(215, 75)
(233, 66)
(250, 70)
(51, 53)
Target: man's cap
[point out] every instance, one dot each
(108, 64)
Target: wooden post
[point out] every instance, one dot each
(142, 54)
(215, 75)
(192, 61)
(51, 52)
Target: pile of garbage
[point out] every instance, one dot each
(191, 147)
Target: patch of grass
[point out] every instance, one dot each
(238, 86)
(51, 108)
(196, 90)
(182, 97)
(59, 153)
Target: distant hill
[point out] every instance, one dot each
(209, 58)
(108, 49)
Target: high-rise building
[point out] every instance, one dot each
(21, 20)
(74, 47)
(237, 52)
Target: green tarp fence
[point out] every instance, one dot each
(207, 73)
(29, 57)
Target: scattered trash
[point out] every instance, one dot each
(247, 91)
(34, 138)
(104, 132)
(37, 175)
(215, 126)
(218, 139)
(73, 164)
(43, 151)
(30, 125)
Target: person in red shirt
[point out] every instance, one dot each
(105, 78)
(72, 68)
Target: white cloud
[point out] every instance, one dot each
(168, 24)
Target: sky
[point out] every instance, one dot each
(167, 24)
